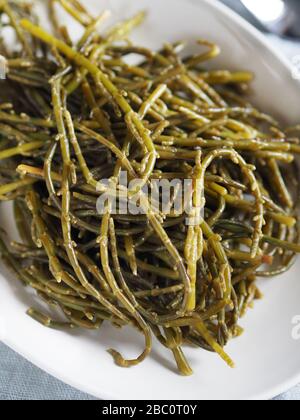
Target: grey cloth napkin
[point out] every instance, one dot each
(20, 380)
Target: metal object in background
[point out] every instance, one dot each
(281, 17)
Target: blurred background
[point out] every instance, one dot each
(279, 19)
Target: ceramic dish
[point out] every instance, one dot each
(267, 356)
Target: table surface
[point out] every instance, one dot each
(20, 380)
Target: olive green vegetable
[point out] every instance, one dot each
(75, 113)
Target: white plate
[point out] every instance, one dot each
(267, 358)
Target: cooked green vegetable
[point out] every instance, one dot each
(76, 112)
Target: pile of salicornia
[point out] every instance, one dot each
(75, 113)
